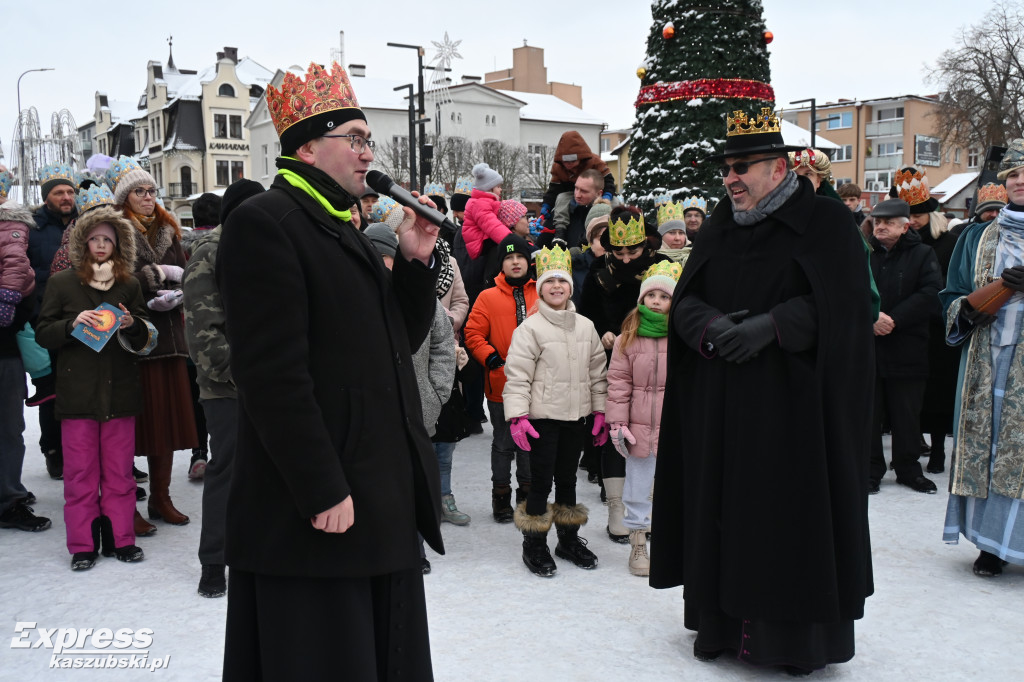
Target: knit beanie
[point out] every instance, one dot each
(484, 178)
(383, 238)
(50, 184)
(670, 225)
(660, 276)
(509, 213)
(595, 226)
(237, 192)
(513, 243)
(129, 181)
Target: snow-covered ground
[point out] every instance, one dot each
(490, 619)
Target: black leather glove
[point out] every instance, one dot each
(976, 317)
(1013, 277)
(494, 361)
(745, 340)
(713, 335)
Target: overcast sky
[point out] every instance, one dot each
(857, 50)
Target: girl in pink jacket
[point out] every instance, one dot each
(481, 222)
(636, 390)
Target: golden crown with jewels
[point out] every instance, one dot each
(630, 233)
(669, 269)
(741, 124)
(673, 210)
(556, 259)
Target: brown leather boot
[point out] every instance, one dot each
(501, 503)
(143, 528)
(160, 505)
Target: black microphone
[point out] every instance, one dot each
(385, 185)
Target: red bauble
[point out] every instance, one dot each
(669, 31)
(768, 37)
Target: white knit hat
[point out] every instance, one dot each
(485, 178)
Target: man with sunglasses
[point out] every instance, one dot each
(334, 472)
(761, 486)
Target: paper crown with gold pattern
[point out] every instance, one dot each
(464, 186)
(673, 210)
(434, 189)
(991, 197)
(662, 276)
(6, 180)
(553, 262)
(912, 187)
(97, 195)
(760, 134)
(384, 211)
(56, 174)
(1012, 159)
(662, 199)
(621, 233)
(302, 110)
(124, 175)
(696, 203)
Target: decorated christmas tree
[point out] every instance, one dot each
(704, 60)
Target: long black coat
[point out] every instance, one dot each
(320, 342)
(908, 280)
(760, 501)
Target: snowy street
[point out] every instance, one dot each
(490, 619)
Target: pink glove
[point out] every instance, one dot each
(172, 273)
(620, 435)
(600, 432)
(166, 299)
(521, 428)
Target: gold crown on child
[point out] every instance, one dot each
(669, 269)
(552, 259)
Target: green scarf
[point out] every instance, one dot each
(316, 184)
(652, 324)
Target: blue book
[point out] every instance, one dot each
(97, 337)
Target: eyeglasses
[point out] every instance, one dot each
(141, 192)
(741, 167)
(630, 250)
(357, 142)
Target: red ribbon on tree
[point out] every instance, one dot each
(723, 88)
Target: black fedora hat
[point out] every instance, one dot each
(760, 135)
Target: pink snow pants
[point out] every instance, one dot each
(98, 457)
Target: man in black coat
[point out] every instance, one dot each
(334, 472)
(907, 274)
(760, 501)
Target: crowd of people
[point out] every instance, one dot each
(699, 363)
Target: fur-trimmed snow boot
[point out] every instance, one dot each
(535, 529)
(617, 531)
(639, 562)
(571, 547)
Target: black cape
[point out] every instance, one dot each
(760, 503)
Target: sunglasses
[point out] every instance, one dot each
(631, 250)
(741, 167)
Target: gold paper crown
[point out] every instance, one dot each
(992, 192)
(556, 259)
(299, 99)
(740, 124)
(627, 234)
(669, 269)
(912, 187)
(671, 211)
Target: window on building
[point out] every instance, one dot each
(266, 160)
(840, 120)
(877, 181)
(973, 155)
(456, 152)
(220, 125)
(535, 158)
(186, 181)
(890, 114)
(154, 125)
(235, 130)
(226, 90)
(843, 181)
(956, 156)
(844, 153)
(400, 146)
(606, 145)
(158, 173)
(103, 146)
(223, 174)
(237, 170)
(889, 149)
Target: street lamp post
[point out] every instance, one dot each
(21, 147)
(815, 121)
(412, 136)
(421, 106)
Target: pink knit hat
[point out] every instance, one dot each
(510, 212)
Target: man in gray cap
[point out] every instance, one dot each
(908, 278)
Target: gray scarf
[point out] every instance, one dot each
(771, 203)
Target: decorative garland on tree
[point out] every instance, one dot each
(722, 88)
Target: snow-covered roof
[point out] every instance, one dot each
(795, 135)
(189, 86)
(951, 186)
(380, 93)
(549, 108)
(123, 112)
(608, 157)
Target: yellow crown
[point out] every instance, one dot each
(740, 124)
(671, 211)
(627, 234)
(669, 269)
(556, 259)
(912, 187)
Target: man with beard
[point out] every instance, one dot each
(52, 218)
(760, 500)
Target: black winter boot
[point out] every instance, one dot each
(521, 492)
(212, 583)
(501, 503)
(535, 540)
(106, 535)
(567, 520)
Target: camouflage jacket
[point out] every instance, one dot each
(204, 321)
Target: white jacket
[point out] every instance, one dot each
(555, 367)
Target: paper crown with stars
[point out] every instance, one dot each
(695, 203)
(630, 233)
(304, 109)
(673, 210)
(97, 195)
